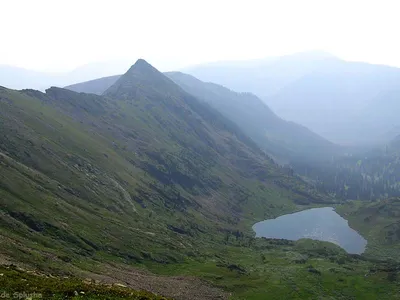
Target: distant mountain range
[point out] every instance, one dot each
(95, 86)
(263, 77)
(283, 139)
(346, 102)
(19, 78)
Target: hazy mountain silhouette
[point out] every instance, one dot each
(283, 139)
(337, 99)
(264, 77)
(19, 78)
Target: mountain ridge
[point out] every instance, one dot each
(273, 134)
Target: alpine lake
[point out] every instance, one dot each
(322, 224)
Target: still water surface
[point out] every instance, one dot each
(322, 224)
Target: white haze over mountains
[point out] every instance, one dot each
(63, 35)
(19, 78)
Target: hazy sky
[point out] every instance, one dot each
(61, 35)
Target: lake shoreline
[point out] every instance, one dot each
(320, 223)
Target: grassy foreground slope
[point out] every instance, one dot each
(17, 283)
(149, 177)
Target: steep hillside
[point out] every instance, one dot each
(148, 179)
(284, 140)
(147, 176)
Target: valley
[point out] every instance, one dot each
(199, 150)
(151, 180)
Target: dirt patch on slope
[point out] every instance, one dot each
(176, 287)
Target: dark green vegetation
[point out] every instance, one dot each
(17, 283)
(286, 141)
(379, 223)
(365, 175)
(149, 177)
(305, 269)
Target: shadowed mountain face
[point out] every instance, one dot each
(341, 101)
(145, 173)
(284, 140)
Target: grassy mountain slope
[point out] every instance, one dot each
(18, 283)
(150, 177)
(379, 222)
(285, 140)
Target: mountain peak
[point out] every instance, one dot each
(142, 61)
(143, 68)
(141, 64)
(140, 75)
